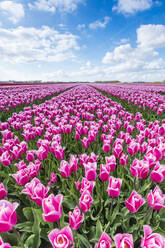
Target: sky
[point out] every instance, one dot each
(82, 40)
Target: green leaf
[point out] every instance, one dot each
(28, 213)
(84, 242)
(99, 229)
(36, 227)
(30, 241)
(25, 226)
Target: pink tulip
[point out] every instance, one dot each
(21, 177)
(3, 191)
(31, 170)
(104, 241)
(61, 238)
(85, 142)
(73, 163)
(90, 171)
(156, 199)
(117, 150)
(5, 158)
(30, 156)
(8, 217)
(106, 146)
(76, 218)
(83, 159)
(42, 153)
(85, 201)
(124, 240)
(59, 152)
(104, 172)
(140, 168)
(65, 169)
(150, 239)
(134, 202)
(52, 208)
(158, 153)
(133, 148)
(111, 162)
(93, 158)
(123, 159)
(158, 173)
(36, 191)
(23, 146)
(21, 165)
(78, 185)
(4, 245)
(87, 185)
(114, 186)
(151, 159)
(53, 178)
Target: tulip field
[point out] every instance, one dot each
(82, 166)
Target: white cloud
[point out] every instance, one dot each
(53, 5)
(99, 24)
(151, 36)
(132, 6)
(80, 26)
(14, 11)
(28, 45)
(142, 60)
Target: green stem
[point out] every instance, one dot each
(18, 237)
(111, 207)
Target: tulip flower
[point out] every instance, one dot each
(52, 208)
(156, 199)
(134, 202)
(104, 241)
(76, 218)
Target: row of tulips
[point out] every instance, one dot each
(140, 95)
(14, 96)
(80, 119)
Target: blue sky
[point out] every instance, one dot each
(82, 40)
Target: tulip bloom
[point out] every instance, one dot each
(36, 191)
(124, 240)
(114, 186)
(158, 173)
(152, 239)
(61, 238)
(111, 162)
(21, 177)
(76, 218)
(8, 217)
(90, 171)
(5, 158)
(52, 208)
(156, 199)
(65, 169)
(104, 172)
(104, 241)
(134, 202)
(85, 201)
(3, 191)
(87, 185)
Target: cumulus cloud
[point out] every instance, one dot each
(13, 10)
(132, 6)
(29, 45)
(151, 36)
(143, 58)
(99, 24)
(53, 5)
